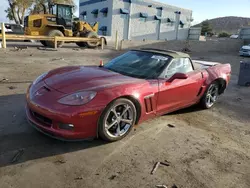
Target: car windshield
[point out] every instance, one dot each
(139, 64)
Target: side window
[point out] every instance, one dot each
(187, 66)
(64, 12)
(180, 65)
(172, 69)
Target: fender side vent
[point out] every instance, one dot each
(149, 103)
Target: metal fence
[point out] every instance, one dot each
(55, 39)
(244, 33)
(194, 33)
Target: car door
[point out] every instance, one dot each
(178, 93)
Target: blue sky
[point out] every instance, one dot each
(202, 9)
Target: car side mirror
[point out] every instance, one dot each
(180, 76)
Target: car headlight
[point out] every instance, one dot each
(77, 99)
(39, 78)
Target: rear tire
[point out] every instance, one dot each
(210, 96)
(82, 44)
(92, 44)
(117, 120)
(54, 33)
(89, 35)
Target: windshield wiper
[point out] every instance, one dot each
(125, 73)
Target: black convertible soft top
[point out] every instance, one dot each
(170, 53)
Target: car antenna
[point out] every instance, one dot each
(101, 63)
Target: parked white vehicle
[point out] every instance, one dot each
(245, 50)
(6, 30)
(234, 36)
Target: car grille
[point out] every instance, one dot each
(245, 50)
(44, 120)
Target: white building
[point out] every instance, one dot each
(137, 19)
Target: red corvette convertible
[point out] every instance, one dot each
(82, 102)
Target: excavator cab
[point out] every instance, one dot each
(63, 13)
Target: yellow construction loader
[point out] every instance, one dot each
(59, 22)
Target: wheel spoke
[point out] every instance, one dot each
(118, 130)
(213, 92)
(209, 100)
(111, 125)
(210, 89)
(114, 112)
(128, 121)
(125, 110)
(213, 99)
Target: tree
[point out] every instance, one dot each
(38, 7)
(223, 34)
(19, 8)
(206, 28)
(9, 14)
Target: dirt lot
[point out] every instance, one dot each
(206, 149)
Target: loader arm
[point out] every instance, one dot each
(95, 27)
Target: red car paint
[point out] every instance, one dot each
(154, 97)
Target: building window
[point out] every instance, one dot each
(104, 11)
(157, 17)
(170, 21)
(124, 11)
(84, 15)
(159, 8)
(143, 16)
(95, 13)
(103, 30)
(182, 24)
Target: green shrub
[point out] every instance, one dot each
(223, 34)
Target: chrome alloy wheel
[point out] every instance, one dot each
(119, 119)
(212, 95)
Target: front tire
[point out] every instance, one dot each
(54, 33)
(117, 120)
(210, 96)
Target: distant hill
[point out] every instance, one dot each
(229, 24)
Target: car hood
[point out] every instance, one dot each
(246, 47)
(76, 78)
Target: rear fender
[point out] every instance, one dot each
(58, 27)
(105, 40)
(220, 73)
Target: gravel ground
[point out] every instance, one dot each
(206, 148)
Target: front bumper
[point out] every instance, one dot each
(57, 133)
(244, 53)
(46, 115)
(53, 135)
